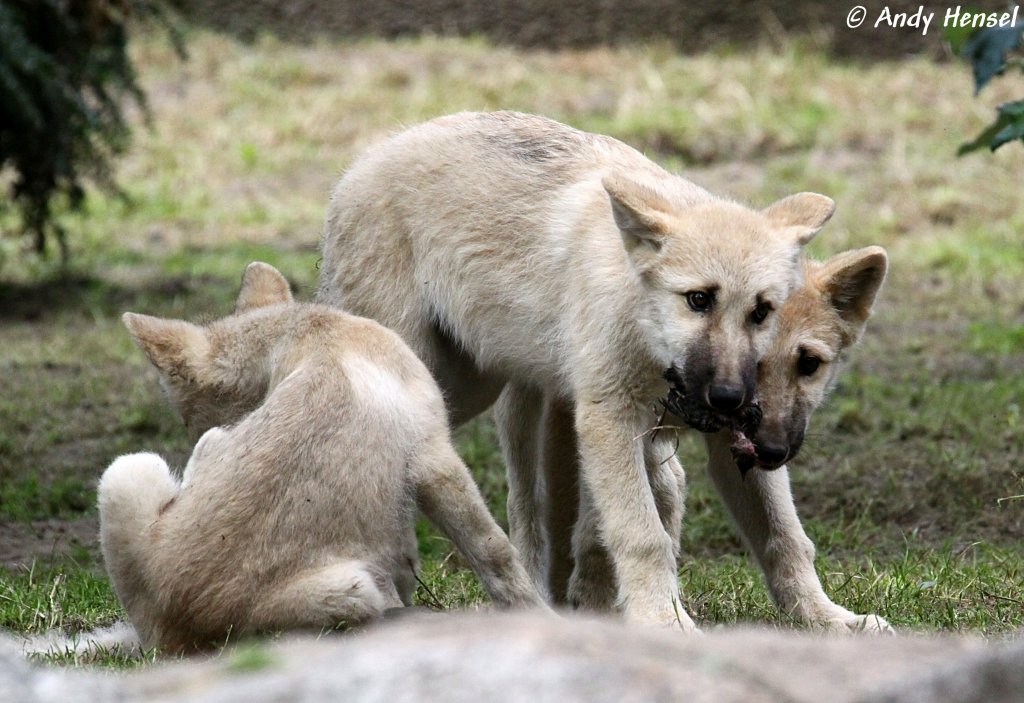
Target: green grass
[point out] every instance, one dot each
(28, 499)
(71, 597)
(38, 597)
(911, 478)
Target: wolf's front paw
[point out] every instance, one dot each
(679, 620)
(673, 617)
(851, 624)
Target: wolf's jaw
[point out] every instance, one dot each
(696, 415)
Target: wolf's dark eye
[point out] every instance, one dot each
(760, 313)
(698, 300)
(806, 365)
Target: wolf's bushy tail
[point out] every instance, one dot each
(132, 493)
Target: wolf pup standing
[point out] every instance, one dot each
(816, 326)
(299, 515)
(513, 252)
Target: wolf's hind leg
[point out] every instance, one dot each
(344, 592)
(539, 445)
(516, 415)
(559, 457)
(446, 493)
(592, 584)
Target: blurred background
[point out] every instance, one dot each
(188, 139)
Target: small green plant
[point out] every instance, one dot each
(250, 657)
(992, 51)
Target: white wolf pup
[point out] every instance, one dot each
(816, 326)
(511, 250)
(298, 511)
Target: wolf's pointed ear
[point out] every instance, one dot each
(262, 284)
(640, 214)
(174, 347)
(851, 280)
(801, 215)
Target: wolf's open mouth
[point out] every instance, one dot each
(697, 415)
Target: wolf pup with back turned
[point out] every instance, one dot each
(301, 513)
(567, 272)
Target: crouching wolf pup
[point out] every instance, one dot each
(511, 250)
(817, 324)
(300, 514)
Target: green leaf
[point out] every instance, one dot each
(1008, 126)
(957, 36)
(1014, 128)
(987, 49)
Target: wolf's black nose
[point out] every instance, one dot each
(772, 455)
(726, 398)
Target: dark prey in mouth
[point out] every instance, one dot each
(697, 415)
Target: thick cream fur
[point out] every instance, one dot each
(508, 249)
(321, 435)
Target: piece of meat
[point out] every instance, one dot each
(698, 416)
(744, 453)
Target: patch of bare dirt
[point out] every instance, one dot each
(22, 543)
(692, 26)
